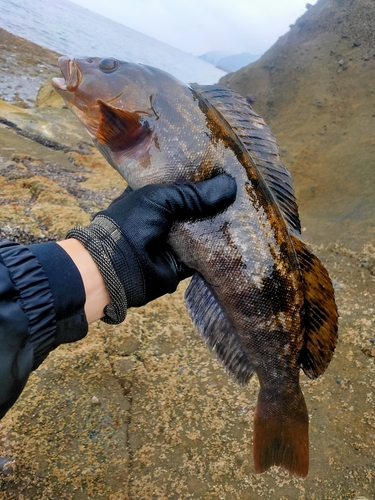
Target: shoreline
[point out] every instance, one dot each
(25, 68)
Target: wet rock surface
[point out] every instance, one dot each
(143, 410)
(23, 70)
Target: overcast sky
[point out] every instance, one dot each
(199, 26)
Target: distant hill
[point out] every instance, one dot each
(229, 62)
(214, 56)
(237, 61)
(316, 89)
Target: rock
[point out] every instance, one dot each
(124, 366)
(251, 98)
(302, 23)
(48, 97)
(3, 461)
(7, 466)
(19, 58)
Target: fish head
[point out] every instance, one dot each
(128, 109)
(109, 96)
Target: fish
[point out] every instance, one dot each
(261, 300)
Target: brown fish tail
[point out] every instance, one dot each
(281, 436)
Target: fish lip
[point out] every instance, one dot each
(72, 75)
(59, 84)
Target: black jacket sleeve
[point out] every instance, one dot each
(41, 306)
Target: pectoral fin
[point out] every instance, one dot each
(120, 129)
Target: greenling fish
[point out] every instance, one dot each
(260, 299)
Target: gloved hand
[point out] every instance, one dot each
(128, 240)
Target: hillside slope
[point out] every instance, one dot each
(316, 89)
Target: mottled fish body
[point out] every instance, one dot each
(260, 299)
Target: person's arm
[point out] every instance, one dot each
(38, 311)
(97, 297)
(49, 292)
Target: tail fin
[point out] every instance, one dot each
(281, 438)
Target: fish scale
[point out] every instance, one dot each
(259, 298)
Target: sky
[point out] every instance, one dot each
(200, 26)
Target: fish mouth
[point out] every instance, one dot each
(66, 87)
(72, 75)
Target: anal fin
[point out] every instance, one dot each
(216, 329)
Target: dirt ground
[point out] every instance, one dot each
(142, 411)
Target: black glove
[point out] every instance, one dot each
(128, 240)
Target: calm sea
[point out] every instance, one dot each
(69, 29)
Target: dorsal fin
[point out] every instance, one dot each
(320, 312)
(259, 142)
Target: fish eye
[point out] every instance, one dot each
(109, 64)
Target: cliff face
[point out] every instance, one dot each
(315, 88)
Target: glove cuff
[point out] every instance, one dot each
(101, 239)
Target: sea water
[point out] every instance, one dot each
(70, 29)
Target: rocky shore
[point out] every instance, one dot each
(142, 411)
